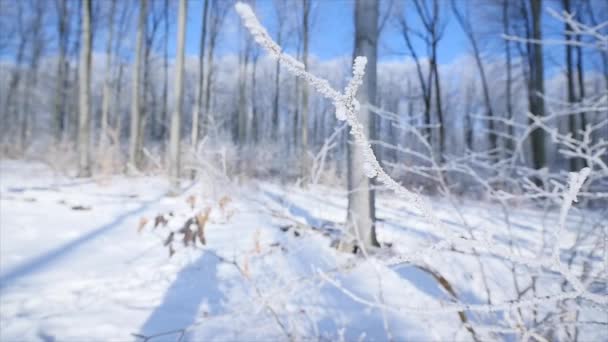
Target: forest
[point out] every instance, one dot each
(399, 170)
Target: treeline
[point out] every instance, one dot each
(105, 74)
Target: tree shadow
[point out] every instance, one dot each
(195, 285)
(297, 211)
(47, 259)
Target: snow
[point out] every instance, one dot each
(75, 267)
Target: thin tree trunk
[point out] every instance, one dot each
(174, 148)
(84, 167)
(134, 152)
(196, 114)
(570, 80)
(537, 103)
(277, 94)
(468, 29)
(107, 86)
(163, 115)
(304, 115)
(509, 143)
(62, 31)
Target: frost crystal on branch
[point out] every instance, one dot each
(369, 170)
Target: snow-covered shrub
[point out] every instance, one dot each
(533, 308)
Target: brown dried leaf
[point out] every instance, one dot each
(142, 224)
(201, 221)
(160, 220)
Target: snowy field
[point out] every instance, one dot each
(81, 260)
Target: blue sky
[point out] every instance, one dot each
(332, 31)
(333, 27)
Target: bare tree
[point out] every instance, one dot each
(509, 72)
(434, 27)
(245, 51)
(360, 216)
(536, 84)
(198, 109)
(306, 8)
(174, 148)
(107, 84)
(219, 9)
(84, 77)
(134, 152)
(165, 92)
(63, 28)
(465, 23)
(280, 7)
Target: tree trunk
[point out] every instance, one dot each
(174, 150)
(84, 167)
(509, 143)
(277, 94)
(360, 216)
(304, 114)
(163, 114)
(464, 21)
(537, 103)
(197, 112)
(134, 152)
(570, 81)
(62, 32)
(107, 87)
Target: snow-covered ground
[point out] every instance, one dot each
(80, 260)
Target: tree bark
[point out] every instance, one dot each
(174, 148)
(134, 152)
(360, 216)
(84, 127)
(197, 112)
(107, 86)
(537, 88)
(62, 32)
(304, 114)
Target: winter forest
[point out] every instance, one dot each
(303, 170)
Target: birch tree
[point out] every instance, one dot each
(174, 139)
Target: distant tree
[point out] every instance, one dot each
(218, 11)
(198, 108)
(63, 28)
(136, 93)
(463, 18)
(84, 77)
(280, 8)
(306, 9)
(532, 16)
(107, 84)
(433, 27)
